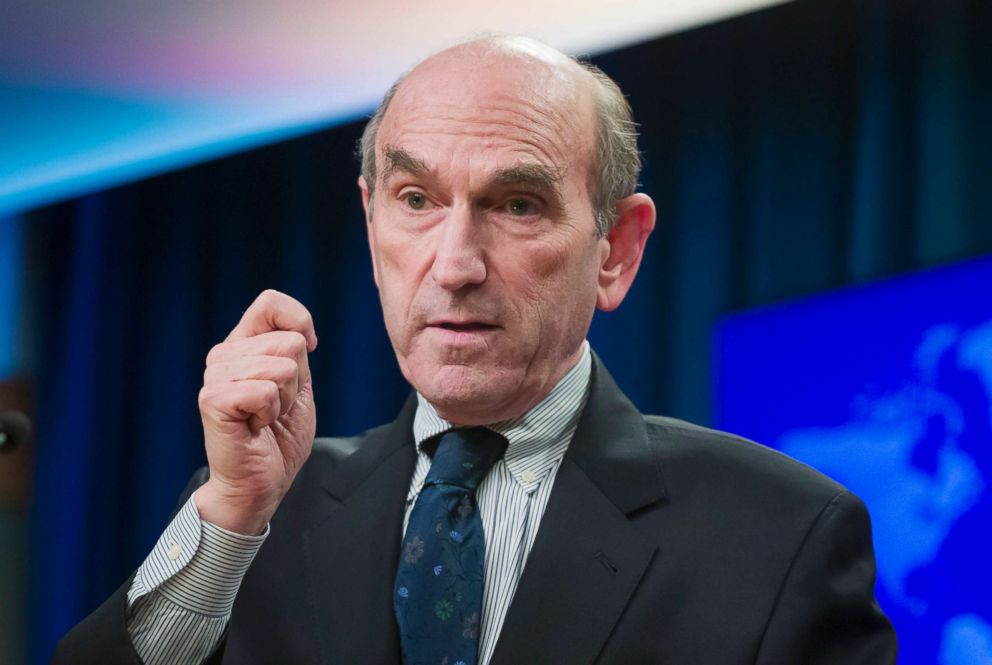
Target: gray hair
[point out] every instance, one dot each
(618, 162)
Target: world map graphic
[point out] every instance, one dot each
(916, 507)
(907, 425)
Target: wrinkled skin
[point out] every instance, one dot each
(482, 232)
(486, 257)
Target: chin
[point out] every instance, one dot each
(466, 394)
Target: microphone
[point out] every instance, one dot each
(14, 430)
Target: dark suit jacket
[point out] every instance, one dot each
(662, 542)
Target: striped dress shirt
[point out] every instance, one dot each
(180, 600)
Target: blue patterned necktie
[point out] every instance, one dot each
(438, 594)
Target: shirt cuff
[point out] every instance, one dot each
(196, 565)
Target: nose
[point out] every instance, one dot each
(459, 258)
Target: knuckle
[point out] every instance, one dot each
(206, 397)
(287, 369)
(296, 343)
(216, 352)
(209, 374)
(271, 393)
(268, 297)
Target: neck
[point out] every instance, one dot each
(572, 380)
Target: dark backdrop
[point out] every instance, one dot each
(804, 147)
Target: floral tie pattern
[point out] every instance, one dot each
(438, 592)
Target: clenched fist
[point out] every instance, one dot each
(258, 413)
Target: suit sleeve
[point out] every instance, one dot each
(103, 636)
(826, 612)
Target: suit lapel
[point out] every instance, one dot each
(352, 548)
(586, 563)
(588, 558)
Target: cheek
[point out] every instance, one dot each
(402, 264)
(552, 280)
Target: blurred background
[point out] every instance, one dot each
(819, 278)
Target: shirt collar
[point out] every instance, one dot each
(530, 436)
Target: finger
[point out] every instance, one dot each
(303, 362)
(283, 343)
(253, 402)
(284, 372)
(288, 344)
(273, 310)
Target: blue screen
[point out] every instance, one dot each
(888, 389)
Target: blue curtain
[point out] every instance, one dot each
(800, 148)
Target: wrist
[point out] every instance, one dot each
(244, 515)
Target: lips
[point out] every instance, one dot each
(464, 326)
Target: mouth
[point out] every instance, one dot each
(464, 326)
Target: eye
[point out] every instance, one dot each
(519, 207)
(416, 200)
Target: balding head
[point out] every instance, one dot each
(588, 101)
(512, 46)
(491, 242)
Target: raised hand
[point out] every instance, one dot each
(258, 413)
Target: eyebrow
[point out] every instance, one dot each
(538, 177)
(399, 160)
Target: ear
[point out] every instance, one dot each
(634, 223)
(370, 232)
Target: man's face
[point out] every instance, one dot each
(482, 233)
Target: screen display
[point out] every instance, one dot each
(888, 389)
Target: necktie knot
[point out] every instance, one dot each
(464, 456)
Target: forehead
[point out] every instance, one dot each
(496, 106)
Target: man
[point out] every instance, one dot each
(498, 183)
